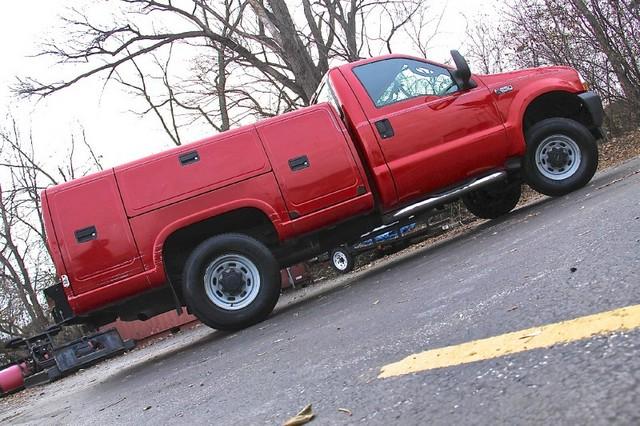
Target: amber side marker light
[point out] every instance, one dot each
(585, 83)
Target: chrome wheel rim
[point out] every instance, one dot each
(558, 157)
(340, 260)
(232, 281)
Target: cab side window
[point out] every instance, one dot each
(324, 93)
(394, 80)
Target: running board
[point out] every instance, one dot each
(445, 197)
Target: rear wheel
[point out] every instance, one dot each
(562, 156)
(231, 281)
(493, 201)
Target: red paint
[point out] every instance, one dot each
(438, 142)
(93, 201)
(363, 136)
(332, 176)
(434, 146)
(218, 165)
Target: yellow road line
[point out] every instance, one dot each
(524, 340)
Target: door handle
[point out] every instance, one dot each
(189, 158)
(299, 163)
(86, 234)
(384, 128)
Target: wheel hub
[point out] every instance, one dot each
(340, 260)
(558, 157)
(232, 281)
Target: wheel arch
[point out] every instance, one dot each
(556, 104)
(532, 98)
(177, 241)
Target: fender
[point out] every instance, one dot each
(521, 101)
(214, 211)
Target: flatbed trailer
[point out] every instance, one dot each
(48, 361)
(397, 234)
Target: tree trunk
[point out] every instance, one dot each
(618, 63)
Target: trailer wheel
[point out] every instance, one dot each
(493, 201)
(231, 281)
(342, 260)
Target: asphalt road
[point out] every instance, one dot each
(553, 260)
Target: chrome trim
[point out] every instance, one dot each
(449, 195)
(504, 89)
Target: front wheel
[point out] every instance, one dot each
(561, 156)
(231, 281)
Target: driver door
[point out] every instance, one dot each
(431, 134)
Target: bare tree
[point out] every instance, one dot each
(614, 26)
(597, 37)
(25, 267)
(237, 58)
(485, 46)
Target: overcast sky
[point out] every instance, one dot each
(115, 132)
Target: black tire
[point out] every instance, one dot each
(493, 201)
(342, 260)
(211, 304)
(564, 174)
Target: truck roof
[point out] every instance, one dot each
(360, 62)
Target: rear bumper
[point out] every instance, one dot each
(593, 104)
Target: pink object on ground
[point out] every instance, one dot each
(11, 379)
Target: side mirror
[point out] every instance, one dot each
(462, 74)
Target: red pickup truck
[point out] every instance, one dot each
(209, 225)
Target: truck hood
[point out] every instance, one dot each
(513, 76)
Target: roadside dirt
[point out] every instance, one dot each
(620, 149)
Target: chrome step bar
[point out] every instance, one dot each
(450, 195)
